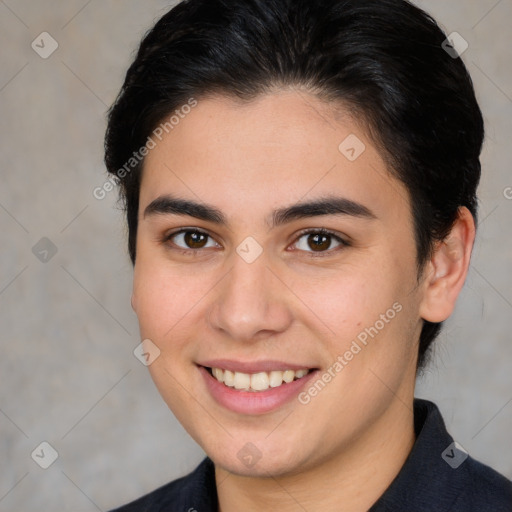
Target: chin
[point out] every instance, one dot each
(260, 469)
(259, 459)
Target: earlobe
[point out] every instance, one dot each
(447, 269)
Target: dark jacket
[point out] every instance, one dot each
(438, 476)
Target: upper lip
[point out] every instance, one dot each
(253, 366)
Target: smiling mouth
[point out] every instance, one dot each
(260, 381)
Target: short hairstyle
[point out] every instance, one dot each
(383, 60)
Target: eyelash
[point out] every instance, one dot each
(320, 231)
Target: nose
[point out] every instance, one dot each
(250, 302)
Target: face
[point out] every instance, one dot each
(308, 314)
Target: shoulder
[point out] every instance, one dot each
(462, 484)
(440, 475)
(486, 489)
(195, 491)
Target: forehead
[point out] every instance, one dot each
(277, 149)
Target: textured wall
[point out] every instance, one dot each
(68, 375)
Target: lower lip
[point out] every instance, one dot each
(254, 402)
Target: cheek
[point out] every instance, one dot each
(348, 299)
(165, 297)
(370, 315)
(166, 303)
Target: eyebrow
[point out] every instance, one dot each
(329, 205)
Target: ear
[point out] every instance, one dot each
(445, 273)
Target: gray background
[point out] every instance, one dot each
(68, 374)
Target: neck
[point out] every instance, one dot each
(351, 480)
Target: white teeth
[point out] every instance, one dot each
(242, 380)
(229, 377)
(257, 381)
(276, 379)
(218, 374)
(288, 376)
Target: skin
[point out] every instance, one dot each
(342, 449)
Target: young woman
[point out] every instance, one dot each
(300, 186)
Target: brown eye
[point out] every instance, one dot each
(190, 239)
(319, 241)
(195, 239)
